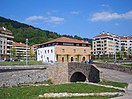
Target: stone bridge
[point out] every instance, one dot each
(57, 73)
(73, 72)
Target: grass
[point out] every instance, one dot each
(31, 92)
(21, 63)
(129, 65)
(116, 84)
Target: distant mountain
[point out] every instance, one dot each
(35, 35)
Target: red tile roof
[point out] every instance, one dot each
(19, 44)
(106, 35)
(4, 29)
(126, 37)
(35, 45)
(103, 34)
(67, 40)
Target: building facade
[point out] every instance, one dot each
(19, 50)
(5, 43)
(107, 44)
(64, 49)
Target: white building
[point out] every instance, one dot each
(46, 54)
(5, 43)
(106, 43)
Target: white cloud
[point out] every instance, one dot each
(32, 18)
(52, 20)
(75, 12)
(107, 16)
(45, 19)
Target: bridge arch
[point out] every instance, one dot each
(78, 76)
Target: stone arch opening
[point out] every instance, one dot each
(83, 59)
(78, 76)
(72, 59)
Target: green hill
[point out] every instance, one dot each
(35, 35)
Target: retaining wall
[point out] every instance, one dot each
(114, 67)
(15, 75)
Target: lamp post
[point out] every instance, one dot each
(27, 51)
(0, 55)
(115, 50)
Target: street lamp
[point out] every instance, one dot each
(115, 50)
(27, 51)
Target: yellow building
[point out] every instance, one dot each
(64, 49)
(109, 44)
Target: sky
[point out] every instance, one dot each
(85, 18)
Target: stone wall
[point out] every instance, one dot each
(15, 75)
(115, 67)
(58, 73)
(62, 72)
(90, 71)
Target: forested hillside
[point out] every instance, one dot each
(35, 35)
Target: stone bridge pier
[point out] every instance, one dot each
(73, 72)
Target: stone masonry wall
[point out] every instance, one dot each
(15, 75)
(90, 71)
(62, 72)
(58, 73)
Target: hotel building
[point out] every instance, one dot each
(64, 49)
(5, 43)
(106, 43)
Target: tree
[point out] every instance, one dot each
(13, 53)
(122, 51)
(129, 51)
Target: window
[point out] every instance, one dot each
(63, 50)
(74, 50)
(45, 51)
(51, 51)
(85, 51)
(48, 51)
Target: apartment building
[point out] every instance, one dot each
(64, 49)
(106, 43)
(5, 43)
(126, 42)
(20, 50)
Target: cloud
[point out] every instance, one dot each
(104, 5)
(50, 20)
(32, 18)
(45, 19)
(75, 12)
(107, 16)
(54, 19)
